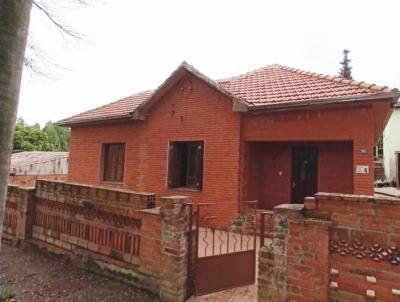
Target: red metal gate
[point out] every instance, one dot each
(221, 258)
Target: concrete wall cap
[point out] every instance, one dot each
(290, 207)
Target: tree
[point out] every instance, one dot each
(14, 25)
(33, 138)
(28, 138)
(37, 61)
(58, 136)
(345, 70)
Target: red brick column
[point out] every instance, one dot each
(295, 267)
(25, 213)
(19, 208)
(363, 157)
(174, 248)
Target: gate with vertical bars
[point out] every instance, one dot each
(219, 258)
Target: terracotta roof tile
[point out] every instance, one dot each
(118, 109)
(284, 85)
(273, 84)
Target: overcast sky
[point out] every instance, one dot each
(131, 46)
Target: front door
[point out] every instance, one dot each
(304, 173)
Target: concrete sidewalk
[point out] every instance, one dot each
(388, 191)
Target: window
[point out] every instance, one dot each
(113, 158)
(185, 167)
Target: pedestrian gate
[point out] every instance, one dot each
(220, 258)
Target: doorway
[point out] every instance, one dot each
(304, 173)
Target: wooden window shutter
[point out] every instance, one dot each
(119, 162)
(174, 166)
(113, 162)
(199, 165)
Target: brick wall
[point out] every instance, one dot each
(359, 124)
(113, 231)
(190, 111)
(364, 248)
(337, 248)
(29, 180)
(294, 267)
(270, 170)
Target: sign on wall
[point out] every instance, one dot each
(362, 169)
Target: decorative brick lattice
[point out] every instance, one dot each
(359, 250)
(91, 225)
(87, 211)
(10, 223)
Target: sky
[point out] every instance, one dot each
(130, 46)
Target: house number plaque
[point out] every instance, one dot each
(362, 169)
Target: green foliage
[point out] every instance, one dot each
(32, 138)
(58, 136)
(6, 295)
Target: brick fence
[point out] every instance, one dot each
(112, 231)
(334, 248)
(29, 180)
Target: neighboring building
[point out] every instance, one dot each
(275, 134)
(26, 167)
(391, 147)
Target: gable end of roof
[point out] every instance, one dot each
(184, 68)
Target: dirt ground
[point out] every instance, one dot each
(239, 294)
(36, 276)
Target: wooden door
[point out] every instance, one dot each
(304, 173)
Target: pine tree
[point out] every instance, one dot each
(345, 70)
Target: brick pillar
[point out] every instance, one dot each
(25, 212)
(272, 264)
(295, 266)
(174, 250)
(363, 156)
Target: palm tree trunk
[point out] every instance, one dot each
(14, 24)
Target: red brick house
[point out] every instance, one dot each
(275, 134)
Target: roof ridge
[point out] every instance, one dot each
(341, 80)
(317, 75)
(105, 105)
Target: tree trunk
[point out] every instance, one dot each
(14, 24)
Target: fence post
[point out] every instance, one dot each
(175, 217)
(272, 262)
(25, 212)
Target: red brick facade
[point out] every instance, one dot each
(337, 248)
(269, 170)
(194, 111)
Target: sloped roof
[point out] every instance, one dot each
(120, 109)
(22, 159)
(273, 85)
(277, 84)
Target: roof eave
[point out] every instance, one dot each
(120, 118)
(394, 96)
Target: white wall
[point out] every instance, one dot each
(391, 145)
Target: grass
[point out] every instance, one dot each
(6, 295)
